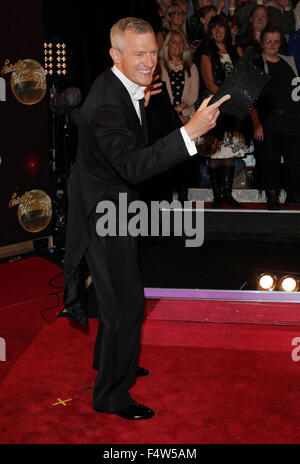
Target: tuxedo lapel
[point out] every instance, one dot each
(129, 108)
(144, 120)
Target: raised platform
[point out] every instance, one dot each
(223, 295)
(243, 195)
(252, 220)
(284, 224)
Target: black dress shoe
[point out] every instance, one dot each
(140, 371)
(135, 411)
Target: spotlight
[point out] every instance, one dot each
(288, 284)
(53, 52)
(266, 282)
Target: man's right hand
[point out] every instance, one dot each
(205, 118)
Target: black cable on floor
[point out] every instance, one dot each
(54, 278)
(51, 307)
(50, 282)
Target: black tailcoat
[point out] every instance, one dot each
(113, 157)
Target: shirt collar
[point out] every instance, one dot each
(135, 91)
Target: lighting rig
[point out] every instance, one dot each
(63, 104)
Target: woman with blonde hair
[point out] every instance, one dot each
(182, 82)
(180, 74)
(175, 20)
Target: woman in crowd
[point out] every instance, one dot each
(175, 20)
(204, 15)
(258, 20)
(276, 121)
(182, 82)
(195, 26)
(281, 15)
(180, 74)
(226, 141)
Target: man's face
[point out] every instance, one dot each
(137, 60)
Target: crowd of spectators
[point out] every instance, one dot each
(200, 41)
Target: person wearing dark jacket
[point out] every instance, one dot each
(276, 122)
(113, 159)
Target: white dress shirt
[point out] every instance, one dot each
(136, 93)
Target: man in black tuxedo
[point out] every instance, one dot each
(113, 158)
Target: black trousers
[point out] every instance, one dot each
(274, 146)
(114, 266)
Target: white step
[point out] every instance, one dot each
(242, 195)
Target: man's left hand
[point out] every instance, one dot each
(152, 89)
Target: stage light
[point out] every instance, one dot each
(55, 52)
(266, 282)
(288, 284)
(32, 165)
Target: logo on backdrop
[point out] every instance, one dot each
(34, 210)
(27, 81)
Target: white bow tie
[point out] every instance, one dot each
(138, 93)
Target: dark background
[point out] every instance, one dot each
(24, 128)
(222, 262)
(85, 27)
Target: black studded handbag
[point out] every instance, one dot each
(244, 83)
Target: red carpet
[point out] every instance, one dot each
(25, 292)
(26, 280)
(208, 383)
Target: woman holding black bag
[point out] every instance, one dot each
(225, 142)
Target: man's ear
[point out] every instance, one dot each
(115, 55)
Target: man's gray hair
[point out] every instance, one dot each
(137, 25)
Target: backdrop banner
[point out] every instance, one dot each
(25, 200)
